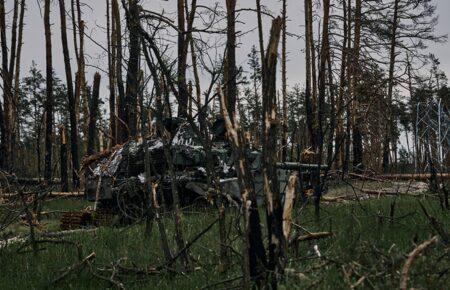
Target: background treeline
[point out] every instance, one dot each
(367, 67)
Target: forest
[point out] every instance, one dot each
(195, 144)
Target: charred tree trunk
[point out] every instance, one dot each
(7, 97)
(133, 69)
(230, 85)
(122, 129)
(284, 143)
(182, 58)
(309, 100)
(270, 130)
(110, 32)
(49, 95)
(357, 137)
(254, 254)
(71, 99)
(392, 55)
(93, 115)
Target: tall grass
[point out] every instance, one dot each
(365, 243)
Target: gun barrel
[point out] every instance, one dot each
(300, 166)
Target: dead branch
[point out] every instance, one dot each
(414, 253)
(75, 267)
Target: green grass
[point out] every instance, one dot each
(364, 240)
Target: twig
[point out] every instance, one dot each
(75, 267)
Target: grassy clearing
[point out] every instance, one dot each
(366, 244)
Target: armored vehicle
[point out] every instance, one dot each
(116, 182)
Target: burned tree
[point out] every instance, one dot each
(71, 98)
(49, 95)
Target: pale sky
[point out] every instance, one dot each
(94, 16)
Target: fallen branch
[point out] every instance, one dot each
(189, 244)
(75, 267)
(414, 253)
(309, 236)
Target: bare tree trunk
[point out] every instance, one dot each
(340, 134)
(182, 58)
(110, 38)
(354, 80)
(271, 186)
(16, 132)
(388, 127)
(121, 127)
(230, 85)
(309, 100)
(71, 98)
(81, 83)
(133, 69)
(49, 95)
(254, 255)
(93, 115)
(6, 132)
(63, 160)
(284, 137)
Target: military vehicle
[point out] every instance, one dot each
(117, 181)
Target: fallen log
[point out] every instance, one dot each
(414, 176)
(22, 239)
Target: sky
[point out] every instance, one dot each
(94, 15)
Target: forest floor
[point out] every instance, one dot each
(372, 237)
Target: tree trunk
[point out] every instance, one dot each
(271, 186)
(340, 134)
(357, 121)
(49, 95)
(230, 84)
(7, 93)
(63, 160)
(16, 132)
(122, 126)
(182, 58)
(309, 53)
(392, 55)
(284, 137)
(133, 69)
(93, 115)
(254, 255)
(110, 38)
(71, 99)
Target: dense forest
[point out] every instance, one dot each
(372, 106)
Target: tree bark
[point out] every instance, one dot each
(230, 84)
(284, 143)
(71, 98)
(63, 160)
(7, 93)
(110, 38)
(392, 55)
(93, 115)
(309, 54)
(182, 58)
(270, 178)
(133, 71)
(121, 126)
(49, 95)
(357, 137)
